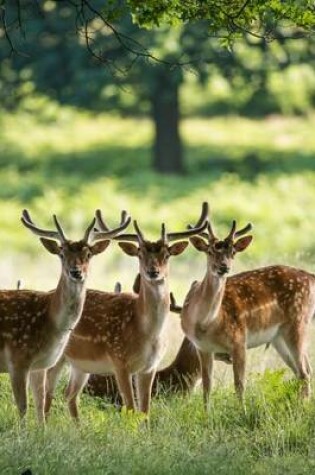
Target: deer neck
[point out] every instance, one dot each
(153, 305)
(211, 294)
(67, 304)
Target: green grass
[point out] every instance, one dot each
(276, 435)
(58, 160)
(263, 171)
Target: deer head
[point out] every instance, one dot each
(153, 256)
(221, 253)
(75, 255)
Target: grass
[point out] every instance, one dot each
(275, 434)
(263, 171)
(71, 163)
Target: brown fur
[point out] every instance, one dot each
(35, 326)
(123, 333)
(34, 329)
(181, 376)
(269, 305)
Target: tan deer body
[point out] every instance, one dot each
(30, 316)
(35, 326)
(117, 333)
(269, 305)
(181, 376)
(98, 344)
(123, 333)
(260, 304)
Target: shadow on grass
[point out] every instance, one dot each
(131, 167)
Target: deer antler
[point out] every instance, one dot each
(89, 231)
(197, 229)
(233, 234)
(58, 235)
(168, 237)
(163, 234)
(244, 230)
(102, 231)
(139, 233)
(230, 236)
(207, 235)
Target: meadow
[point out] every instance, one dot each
(59, 160)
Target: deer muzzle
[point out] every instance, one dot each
(223, 269)
(76, 274)
(153, 274)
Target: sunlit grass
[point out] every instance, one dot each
(276, 428)
(59, 160)
(277, 133)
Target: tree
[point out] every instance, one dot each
(66, 36)
(228, 19)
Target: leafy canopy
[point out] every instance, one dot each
(234, 16)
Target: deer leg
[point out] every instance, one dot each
(282, 349)
(239, 366)
(74, 388)
(144, 386)
(37, 380)
(303, 375)
(19, 380)
(206, 365)
(296, 345)
(307, 365)
(52, 378)
(124, 382)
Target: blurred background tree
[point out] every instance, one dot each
(97, 97)
(75, 53)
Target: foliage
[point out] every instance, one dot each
(226, 19)
(93, 68)
(233, 17)
(59, 63)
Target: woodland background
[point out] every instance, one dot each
(232, 124)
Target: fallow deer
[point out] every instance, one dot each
(181, 376)
(270, 305)
(122, 333)
(35, 326)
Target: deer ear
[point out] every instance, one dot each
(243, 243)
(51, 246)
(129, 248)
(136, 284)
(199, 243)
(99, 247)
(177, 248)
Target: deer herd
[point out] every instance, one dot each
(115, 341)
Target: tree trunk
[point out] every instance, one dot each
(167, 150)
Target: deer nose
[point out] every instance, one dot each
(224, 269)
(153, 273)
(76, 273)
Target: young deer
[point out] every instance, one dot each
(122, 333)
(181, 376)
(35, 326)
(271, 305)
